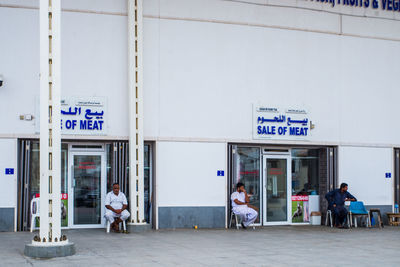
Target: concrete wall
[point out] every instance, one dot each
(214, 59)
(94, 61)
(214, 65)
(8, 184)
(364, 170)
(206, 62)
(186, 174)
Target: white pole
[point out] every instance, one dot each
(50, 136)
(56, 120)
(44, 121)
(135, 95)
(50, 243)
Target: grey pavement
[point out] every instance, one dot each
(267, 246)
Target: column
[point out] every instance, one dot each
(135, 87)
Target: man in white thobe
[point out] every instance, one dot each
(241, 206)
(116, 207)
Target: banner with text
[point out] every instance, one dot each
(82, 116)
(282, 124)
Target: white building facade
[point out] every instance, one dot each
(290, 97)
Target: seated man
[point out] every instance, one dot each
(336, 199)
(241, 206)
(116, 205)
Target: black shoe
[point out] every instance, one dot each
(244, 227)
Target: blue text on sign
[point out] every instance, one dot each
(9, 171)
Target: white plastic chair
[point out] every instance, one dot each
(233, 215)
(238, 221)
(35, 211)
(109, 224)
(329, 217)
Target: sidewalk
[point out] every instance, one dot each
(269, 246)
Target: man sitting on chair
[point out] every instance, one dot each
(116, 205)
(336, 199)
(241, 206)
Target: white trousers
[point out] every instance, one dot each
(110, 215)
(247, 214)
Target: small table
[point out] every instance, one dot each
(393, 218)
(378, 211)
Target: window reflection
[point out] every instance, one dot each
(147, 194)
(247, 171)
(305, 172)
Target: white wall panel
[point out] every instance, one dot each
(244, 13)
(364, 169)
(212, 73)
(151, 76)
(95, 63)
(19, 65)
(371, 27)
(187, 174)
(8, 185)
(113, 6)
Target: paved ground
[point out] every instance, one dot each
(270, 246)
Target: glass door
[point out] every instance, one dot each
(87, 190)
(277, 188)
(246, 168)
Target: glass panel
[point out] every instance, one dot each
(87, 189)
(109, 170)
(247, 170)
(64, 185)
(64, 168)
(147, 183)
(305, 182)
(276, 190)
(34, 172)
(305, 172)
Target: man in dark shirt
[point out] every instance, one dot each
(336, 199)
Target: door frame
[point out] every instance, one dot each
(85, 149)
(288, 187)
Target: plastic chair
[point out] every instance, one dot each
(109, 224)
(35, 211)
(238, 220)
(329, 216)
(357, 208)
(233, 215)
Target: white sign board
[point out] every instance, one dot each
(280, 123)
(83, 116)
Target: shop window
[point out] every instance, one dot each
(246, 169)
(305, 183)
(118, 171)
(147, 183)
(29, 181)
(305, 172)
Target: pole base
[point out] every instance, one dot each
(49, 251)
(138, 228)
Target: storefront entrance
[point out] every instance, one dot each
(87, 188)
(276, 180)
(284, 183)
(88, 170)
